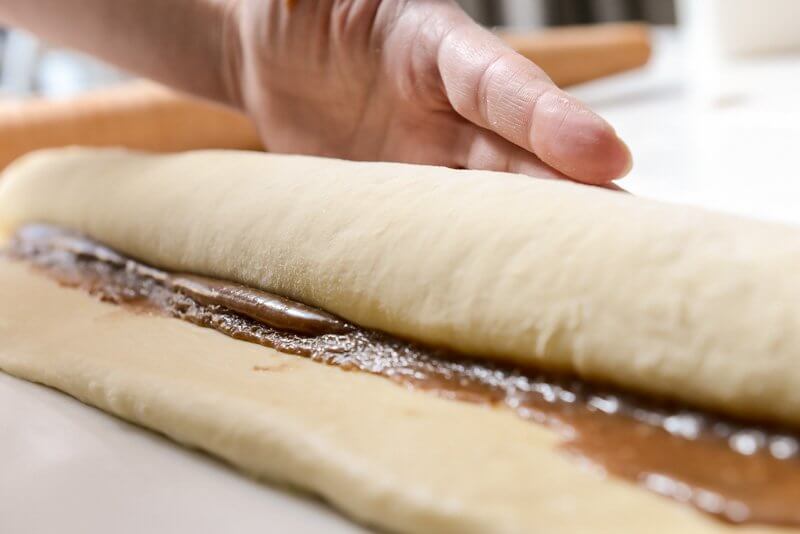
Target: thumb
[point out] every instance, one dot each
(492, 86)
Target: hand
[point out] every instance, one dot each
(407, 80)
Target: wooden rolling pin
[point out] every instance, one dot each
(145, 116)
(578, 54)
(138, 115)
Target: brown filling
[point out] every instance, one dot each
(738, 472)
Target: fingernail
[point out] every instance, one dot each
(578, 142)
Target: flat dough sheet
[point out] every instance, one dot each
(398, 459)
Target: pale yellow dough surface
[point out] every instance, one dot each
(387, 456)
(655, 297)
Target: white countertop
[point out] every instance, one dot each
(721, 139)
(69, 468)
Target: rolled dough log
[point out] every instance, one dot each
(665, 299)
(390, 457)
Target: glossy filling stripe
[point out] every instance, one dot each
(735, 471)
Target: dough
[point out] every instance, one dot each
(665, 299)
(390, 457)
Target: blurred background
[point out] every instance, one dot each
(29, 66)
(537, 13)
(711, 116)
